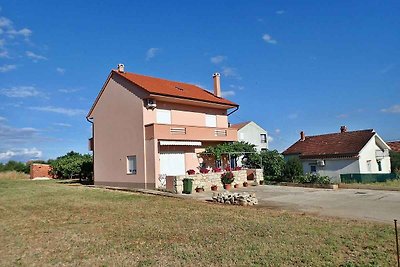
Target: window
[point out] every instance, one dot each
(369, 165)
(313, 169)
(264, 149)
(131, 164)
(163, 116)
(263, 138)
(211, 120)
(379, 165)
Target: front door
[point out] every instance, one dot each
(172, 163)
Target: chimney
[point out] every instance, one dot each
(302, 136)
(343, 129)
(121, 68)
(217, 84)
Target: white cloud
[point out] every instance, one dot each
(25, 32)
(268, 39)
(270, 139)
(228, 93)
(64, 111)
(5, 22)
(68, 90)
(7, 26)
(152, 52)
(4, 54)
(35, 57)
(11, 135)
(217, 59)
(61, 124)
(60, 70)
(392, 109)
(231, 72)
(277, 131)
(20, 91)
(238, 87)
(6, 68)
(2, 118)
(24, 153)
(280, 12)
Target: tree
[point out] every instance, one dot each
(13, 165)
(72, 165)
(293, 169)
(236, 149)
(395, 161)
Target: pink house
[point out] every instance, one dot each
(144, 128)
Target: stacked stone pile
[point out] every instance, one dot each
(243, 199)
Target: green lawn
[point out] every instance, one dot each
(47, 223)
(388, 185)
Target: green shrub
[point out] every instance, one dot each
(73, 165)
(312, 178)
(227, 178)
(293, 169)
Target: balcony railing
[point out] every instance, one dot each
(184, 132)
(379, 154)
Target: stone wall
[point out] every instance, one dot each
(213, 178)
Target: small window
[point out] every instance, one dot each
(263, 138)
(131, 164)
(211, 120)
(379, 165)
(313, 169)
(163, 116)
(369, 165)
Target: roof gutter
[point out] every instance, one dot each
(237, 107)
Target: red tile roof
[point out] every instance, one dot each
(335, 145)
(394, 145)
(175, 89)
(240, 125)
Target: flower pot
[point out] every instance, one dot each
(245, 184)
(214, 188)
(261, 182)
(198, 190)
(227, 186)
(236, 186)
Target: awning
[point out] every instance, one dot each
(180, 143)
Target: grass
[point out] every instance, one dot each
(48, 223)
(388, 185)
(13, 175)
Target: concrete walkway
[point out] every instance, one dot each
(372, 205)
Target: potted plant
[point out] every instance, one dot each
(261, 182)
(217, 170)
(245, 184)
(190, 172)
(204, 170)
(199, 189)
(236, 186)
(227, 179)
(214, 187)
(237, 168)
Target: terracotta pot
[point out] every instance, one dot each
(236, 186)
(198, 190)
(245, 184)
(214, 188)
(227, 186)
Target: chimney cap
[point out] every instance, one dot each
(216, 74)
(121, 67)
(343, 128)
(302, 136)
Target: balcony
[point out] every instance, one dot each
(379, 154)
(182, 132)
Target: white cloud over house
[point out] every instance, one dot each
(392, 109)
(268, 39)
(20, 91)
(35, 57)
(152, 52)
(218, 59)
(21, 154)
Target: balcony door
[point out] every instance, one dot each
(172, 163)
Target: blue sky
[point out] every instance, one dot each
(291, 65)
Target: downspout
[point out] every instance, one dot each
(233, 111)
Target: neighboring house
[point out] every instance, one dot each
(252, 133)
(394, 146)
(341, 153)
(146, 128)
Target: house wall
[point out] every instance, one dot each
(368, 153)
(186, 115)
(333, 167)
(118, 133)
(251, 134)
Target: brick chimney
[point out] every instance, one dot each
(343, 129)
(217, 84)
(302, 136)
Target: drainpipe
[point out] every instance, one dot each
(233, 111)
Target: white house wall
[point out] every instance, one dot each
(333, 167)
(251, 134)
(368, 153)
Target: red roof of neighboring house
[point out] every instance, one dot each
(394, 145)
(335, 145)
(175, 89)
(240, 125)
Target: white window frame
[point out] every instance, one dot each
(163, 116)
(211, 120)
(131, 164)
(262, 140)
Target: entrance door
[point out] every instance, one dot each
(172, 163)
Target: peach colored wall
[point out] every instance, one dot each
(186, 115)
(162, 131)
(40, 170)
(118, 133)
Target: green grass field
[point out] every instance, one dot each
(388, 185)
(48, 223)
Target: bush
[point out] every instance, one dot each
(13, 165)
(312, 178)
(217, 169)
(73, 165)
(293, 169)
(227, 177)
(190, 172)
(204, 170)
